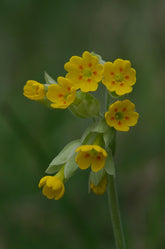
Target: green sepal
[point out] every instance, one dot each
(95, 177)
(101, 61)
(63, 157)
(85, 105)
(99, 127)
(114, 95)
(54, 168)
(70, 167)
(109, 164)
(108, 136)
(46, 102)
(49, 80)
(89, 139)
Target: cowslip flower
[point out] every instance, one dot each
(119, 77)
(62, 94)
(91, 155)
(53, 187)
(34, 90)
(85, 72)
(121, 115)
(101, 187)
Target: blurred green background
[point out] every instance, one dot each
(42, 35)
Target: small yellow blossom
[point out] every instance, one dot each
(91, 155)
(119, 77)
(85, 72)
(53, 187)
(61, 94)
(121, 115)
(34, 90)
(101, 187)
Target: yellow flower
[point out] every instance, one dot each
(85, 72)
(61, 94)
(34, 90)
(101, 187)
(119, 77)
(121, 115)
(91, 155)
(53, 187)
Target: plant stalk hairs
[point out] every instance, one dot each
(95, 149)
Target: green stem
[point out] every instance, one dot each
(115, 213)
(107, 100)
(113, 199)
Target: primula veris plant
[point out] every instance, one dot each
(96, 148)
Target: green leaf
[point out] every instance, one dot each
(49, 80)
(70, 167)
(95, 177)
(109, 164)
(63, 156)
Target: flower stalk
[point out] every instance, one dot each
(113, 200)
(115, 213)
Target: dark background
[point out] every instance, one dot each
(42, 35)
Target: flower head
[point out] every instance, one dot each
(85, 72)
(121, 115)
(34, 90)
(53, 187)
(91, 155)
(101, 187)
(119, 77)
(61, 94)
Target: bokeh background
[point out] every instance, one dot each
(38, 36)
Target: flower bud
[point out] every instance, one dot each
(101, 187)
(53, 187)
(34, 90)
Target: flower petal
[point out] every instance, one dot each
(98, 164)
(83, 160)
(43, 181)
(48, 192)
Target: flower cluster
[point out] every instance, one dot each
(94, 149)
